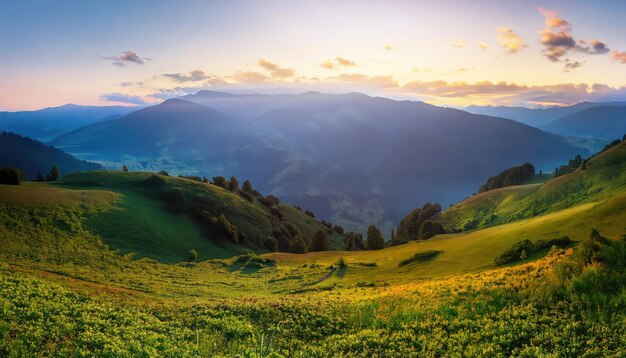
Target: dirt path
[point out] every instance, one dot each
(327, 276)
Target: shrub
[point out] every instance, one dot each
(420, 257)
(297, 245)
(514, 252)
(11, 176)
(219, 181)
(309, 213)
(192, 256)
(341, 263)
(222, 225)
(54, 174)
(164, 173)
(429, 229)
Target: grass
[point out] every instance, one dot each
(65, 292)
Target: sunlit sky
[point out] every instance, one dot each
(444, 52)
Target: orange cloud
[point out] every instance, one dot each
(619, 56)
(510, 41)
(275, 70)
(337, 63)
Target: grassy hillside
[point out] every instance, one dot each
(64, 292)
(132, 216)
(603, 179)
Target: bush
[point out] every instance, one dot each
(513, 253)
(526, 248)
(192, 256)
(309, 213)
(11, 176)
(54, 174)
(164, 173)
(297, 245)
(221, 224)
(420, 257)
(219, 181)
(429, 229)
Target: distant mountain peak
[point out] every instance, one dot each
(208, 93)
(177, 102)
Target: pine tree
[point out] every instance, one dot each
(375, 240)
(54, 174)
(233, 184)
(319, 242)
(247, 186)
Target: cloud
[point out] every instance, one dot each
(389, 47)
(122, 98)
(482, 45)
(362, 79)
(619, 56)
(193, 76)
(337, 63)
(275, 70)
(125, 58)
(503, 93)
(571, 65)
(459, 43)
(510, 41)
(130, 84)
(557, 40)
(344, 61)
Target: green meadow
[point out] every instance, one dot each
(94, 265)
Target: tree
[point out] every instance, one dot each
(247, 186)
(162, 172)
(11, 176)
(233, 184)
(375, 240)
(409, 227)
(319, 242)
(297, 245)
(523, 255)
(338, 229)
(429, 229)
(192, 256)
(40, 177)
(54, 174)
(219, 181)
(353, 242)
(125, 169)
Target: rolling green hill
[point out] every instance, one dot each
(132, 214)
(601, 180)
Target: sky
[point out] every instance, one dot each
(444, 52)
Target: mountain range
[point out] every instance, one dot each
(353, 159)
(48, 123)
(602, 120)
(34, 157)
